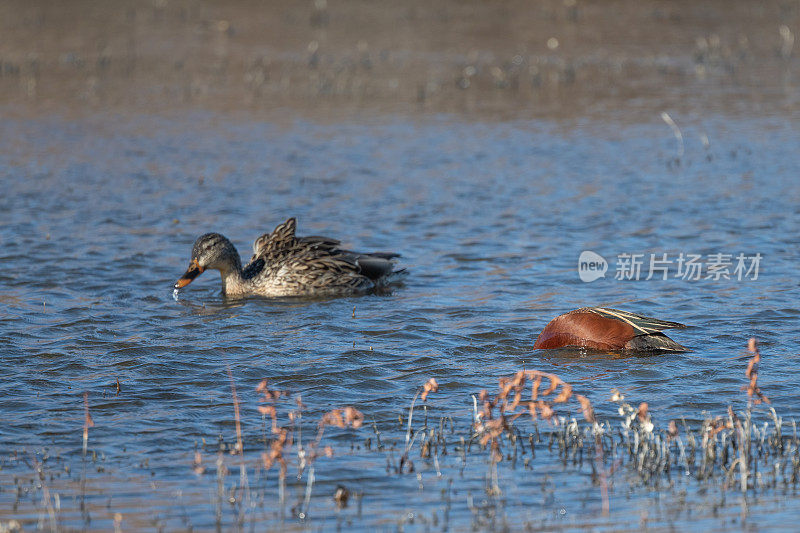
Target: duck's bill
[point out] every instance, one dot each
(193, 271)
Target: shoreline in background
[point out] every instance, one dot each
(559, 60)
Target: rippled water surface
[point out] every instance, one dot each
(97, 219)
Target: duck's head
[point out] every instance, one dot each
(211, 250)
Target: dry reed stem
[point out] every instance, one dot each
(672, 429)
(428, 387)
(342, 418)
(87, 421)
(239, 446)
(37, 467)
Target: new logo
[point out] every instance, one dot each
(591, 266)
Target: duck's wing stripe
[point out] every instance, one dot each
(643, 325)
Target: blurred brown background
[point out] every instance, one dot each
(549, 58)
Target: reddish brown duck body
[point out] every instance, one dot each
(601, 328)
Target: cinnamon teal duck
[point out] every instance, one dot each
(602, 328)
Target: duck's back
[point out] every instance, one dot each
(290, 265)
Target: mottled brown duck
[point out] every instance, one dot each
(286, 265)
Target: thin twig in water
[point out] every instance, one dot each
(675, 131)
(239, 447)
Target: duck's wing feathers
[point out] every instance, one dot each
(277, 242)
(642, 325)
(281, 238)
(314, 261)
(320, 268)
(319, 241)
(316, 269)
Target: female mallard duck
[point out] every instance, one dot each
(601, 328)
(286, 265)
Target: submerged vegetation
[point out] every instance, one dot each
(531, 422)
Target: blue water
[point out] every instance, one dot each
(98, 215)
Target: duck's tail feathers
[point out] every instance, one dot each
(655, 342)
(374, 266)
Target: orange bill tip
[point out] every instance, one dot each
(194, 270)
(181, 283)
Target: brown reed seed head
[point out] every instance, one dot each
(753, 391)
(547, 412)
(536, 407)
(672, 429)
(541, 408)
(332, 418)
(554, 382)
(341, 418)
(267, 410)
(272, 395)
(267, 460)
(273, 414)
(275, 454)
(641, 413)
(586, 408)
(565, 394)
(515, 403)
(269, 395)
(537, 382)
(487, 410)
(353, 417)
(507, 385)
(197, 464)
(492, 430)
(430, 386)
